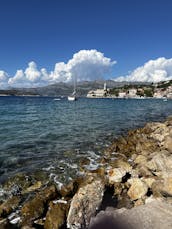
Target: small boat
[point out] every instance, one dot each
(57, 99)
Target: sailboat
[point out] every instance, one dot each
(72, 97)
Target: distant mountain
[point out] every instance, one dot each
(64, 89)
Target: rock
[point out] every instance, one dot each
(154, 215)
(138, 189)
(34, 208)
(4, 224)
(8, 206)
(18, 183)
(119, 163)
(85, 203)
(161, 162)
(168, 143)
(56, 215)
(167, 186)
(116, 175)
(140, 159)
(143, 171)
(138, 202)
(34, 187)
(48, 193)
(149, 181)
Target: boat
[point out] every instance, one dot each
(72, 97)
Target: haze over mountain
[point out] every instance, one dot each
(63, 89)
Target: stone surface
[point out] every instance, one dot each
(154, 215)
(85, 203)
(138, 189)
(34, 208)
(116, 175)
(168, 143)
(8, 206)
(34, 187)
(56, 216)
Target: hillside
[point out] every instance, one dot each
(63, 89)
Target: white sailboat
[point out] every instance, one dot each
(73, 96)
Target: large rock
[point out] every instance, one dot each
(85, 203)
(162, 187)
(161, 163)
(138, 189)
(34, 208)
(154, 215)
(115, 175)
(56, 215)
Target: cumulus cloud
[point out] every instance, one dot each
(31, 77)
(3, 79)
(84, 65)
(152, 71)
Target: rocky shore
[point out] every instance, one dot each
(132, 188)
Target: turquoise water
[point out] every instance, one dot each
(40, 133)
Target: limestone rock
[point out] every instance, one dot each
(56, 216)
(137, 190)
(149, 181)
(161, 162)
(168, 143)
(116, 175)
(167, 186)
(34, 208)
(85, 203)
(119, 163)
(140, 159)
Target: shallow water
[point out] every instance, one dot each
(40, 133)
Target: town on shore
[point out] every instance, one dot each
(137, 91)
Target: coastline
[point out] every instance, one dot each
(135, 170)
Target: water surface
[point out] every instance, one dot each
(40, 133)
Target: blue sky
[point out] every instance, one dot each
(131, 32)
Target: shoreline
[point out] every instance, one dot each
(135, 169)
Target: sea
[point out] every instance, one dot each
(54, 135)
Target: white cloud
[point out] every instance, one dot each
(152, 71)
(84, 65)
(31, 77)
(3, 79)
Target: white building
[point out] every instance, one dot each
(99, 93)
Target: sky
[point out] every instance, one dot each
(48, 41)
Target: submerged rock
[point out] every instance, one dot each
(85, 203)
